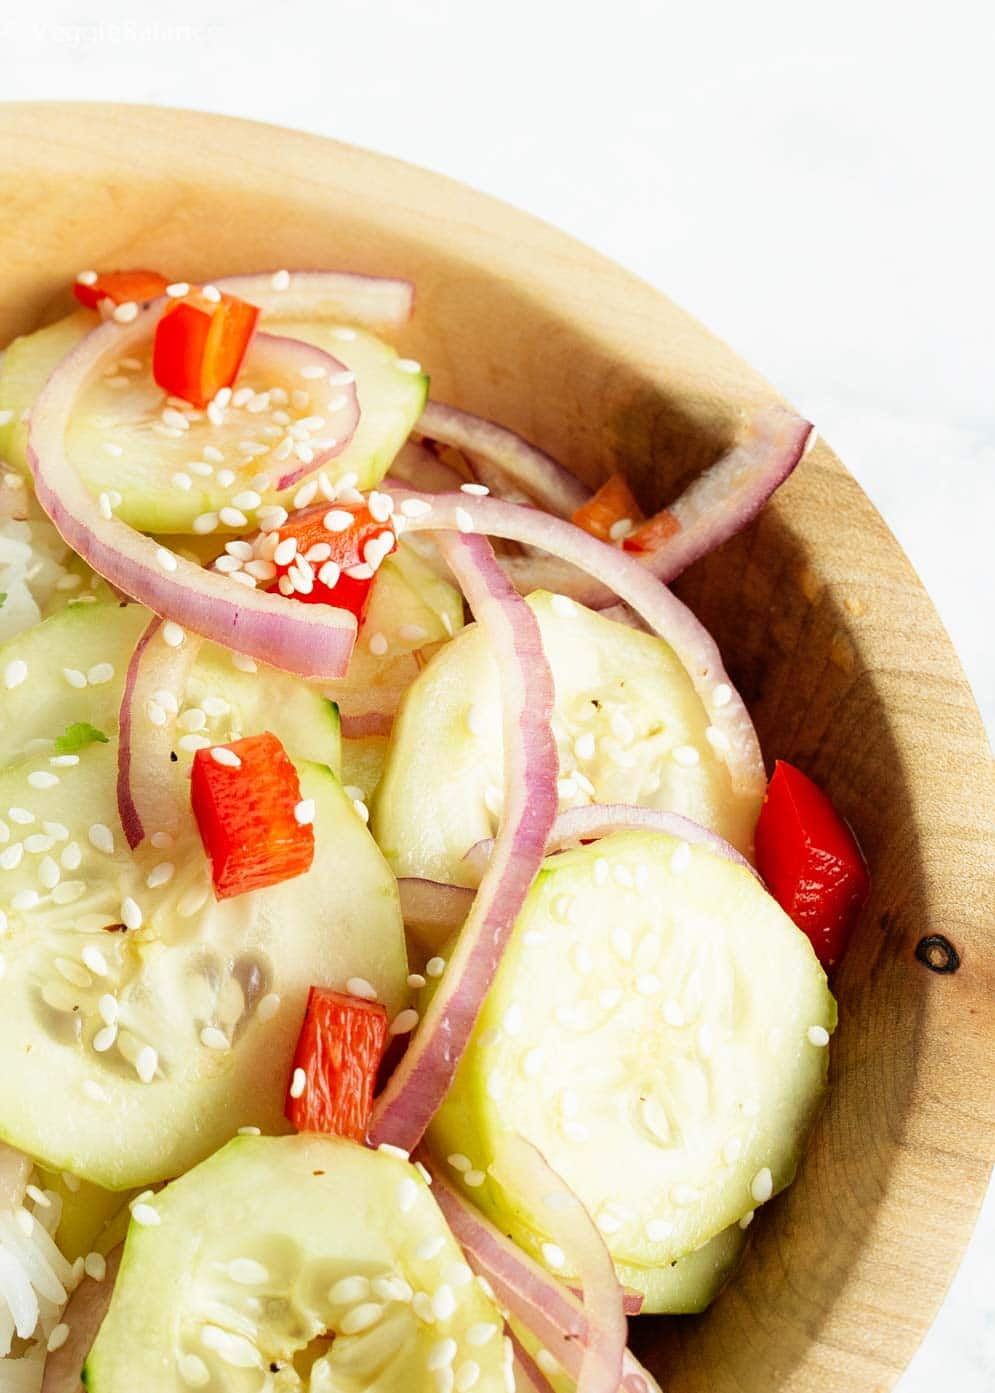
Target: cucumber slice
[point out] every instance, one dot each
(86, 640)
(204, 999)
(123, 411)
(297, 1262)
(628, 724)
(689, 1284)
(649, 1030)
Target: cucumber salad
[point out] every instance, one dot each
(408, 972)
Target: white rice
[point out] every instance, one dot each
(35, 1284)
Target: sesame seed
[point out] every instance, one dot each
(204, 523)
(58, 1337)
(298, 1083)
(747, 1219)
(108, 1009)
(381, 505)
(620, 529)
(100, 674)
(818, 1035)
(63, 761)
(659, 1230)
(478, 1335)
(37, 842)
(648, 984)
(378, 645)
(441, 1354)
(192, 742)
(40, 778)
(732, 1149)
(214, 1039)
(86, 278)
(463, 520)
(68, 891)
(416, 981)
(443, 1301)
(10, 857)
(74, 677)
(203, 470)
(304, 812)
(407, 1194)
(347, 1291)
(125, 313)
(14, 673)
(48, 872)
(762, 1185)
(306, 493)
(457, 1274)
(553, 1255)
(435, 967)
(232, 517)
(268, 1007)
(280, 280)
(415, 507)
(547, 1364)
(172, 634)
(104, 1038)
(672, 1014)
(359, 986)
(404, 1022)
(131, 914)
(243, 662)
(459, 1162)
(685, 755)
(25, 899)
(226, 757)
(177, 290)
(159, 875)
(411, 365)
(146, 1063)
(95, 1266)
(474, 1178)
(684, 1195)
(717, 739)
(166, 559)
(95, 960)
(721, 695)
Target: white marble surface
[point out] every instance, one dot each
(812, 181)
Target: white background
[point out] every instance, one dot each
(813, 181)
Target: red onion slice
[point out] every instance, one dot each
(595, 820)
(521, 1169)
(728, 495)
(359, 725)
(422, 1079)
(664, 614)
(717, 505)
(433, 904)
(552, 1311)
(146, 797)
(309, 640)
(290, 358)
(84, 1315)
(418, 466)
(374, 301)
(552, 486)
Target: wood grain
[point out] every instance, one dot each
(824, 624)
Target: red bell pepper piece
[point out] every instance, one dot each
(200, 344)
(651, 533)
(330, 553)
(612, 505)
(339, 1050)
(119, 287)
(249, 814)
(811, 862)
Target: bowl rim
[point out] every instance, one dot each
(622, 307)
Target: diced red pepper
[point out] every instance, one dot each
(613, 504)
(249, 814)
(655, 530)
(339, 1050)
(811, 862)
(120, 287)
(200, 344)
(331, 552)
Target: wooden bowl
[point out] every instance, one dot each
(823, 622)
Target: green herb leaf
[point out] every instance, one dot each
(77, 737)
(3, 598)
